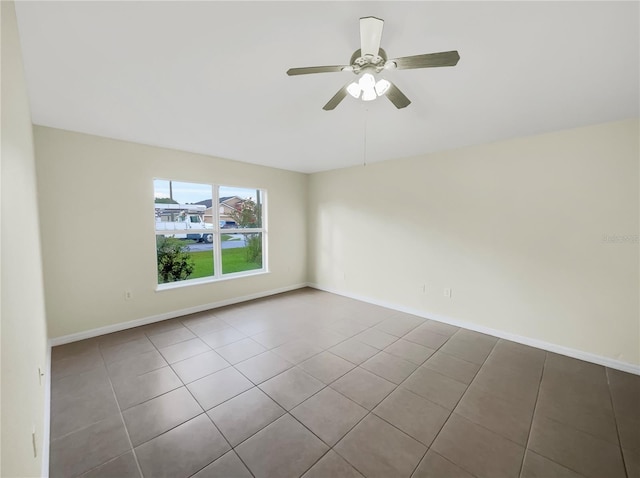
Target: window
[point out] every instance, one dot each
(207, 232)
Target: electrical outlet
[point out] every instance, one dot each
(127, 295)
(447, 293)
(40, 375)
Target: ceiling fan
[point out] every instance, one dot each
(370, 60)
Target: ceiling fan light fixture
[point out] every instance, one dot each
(367, 84)
(369, 94)
(367, 88)
(371, 59)
(367, 81)
(354, 90)
(382, 86)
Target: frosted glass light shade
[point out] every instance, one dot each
(354, 90)
(382, 86)
(367, 89)
(369, 94)
(367, 81)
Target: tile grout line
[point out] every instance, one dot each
(84, 427)
(157, 396)
(332, 447)
(581, 475)
(370, 412)
(454, 407)
(124, 424)
(387, 346)
(473, 475)
(383, 399)
(533, 414)
(232, 448)
(233, 365)
(148, 372)
(572, 427)
(184, 385)
(294, 365)
(225, 344)
(132, 448)
(108, 376)
(509, 399)
(107, 462)
(288, 412)
(204, 412)
(104, 365)
(615, 420)
(94, 422)
(552, 419)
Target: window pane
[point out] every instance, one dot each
(184, 245)
(182, 259)
(241, 252)
(240, 207)
(182, 206)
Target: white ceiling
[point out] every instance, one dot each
(209, 77)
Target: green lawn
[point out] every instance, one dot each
(233, 260)
(203, 264)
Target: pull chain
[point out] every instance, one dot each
(364, 149)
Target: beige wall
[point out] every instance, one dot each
(514, 228)
(23, 332)
(96, 200)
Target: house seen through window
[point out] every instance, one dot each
(207, 230)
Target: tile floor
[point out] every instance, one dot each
(317, 385)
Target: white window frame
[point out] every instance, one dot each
(217, 232)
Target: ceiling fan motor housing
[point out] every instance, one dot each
(359, 62)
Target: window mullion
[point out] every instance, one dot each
(217, 250)
(244, 231)
(263, 211)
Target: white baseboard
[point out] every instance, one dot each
(108, 329)
(550, 347)
(46, 426)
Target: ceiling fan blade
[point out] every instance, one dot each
(428, 60)
(337, 98)
(315, 69)
(397, 97)
(370, 35)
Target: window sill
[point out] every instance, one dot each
(209, 280)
